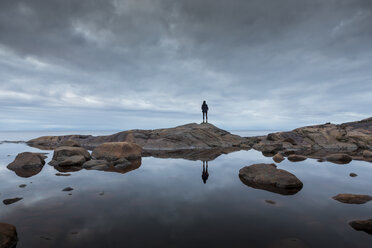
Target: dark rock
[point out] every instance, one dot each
(8, 236)
(27, 164)
(339, 158)
(296, 158)
(352, 199)
(67, 189)
(63, 174)
(268, 177)
(11, 200)
(278, 158)
(22, 185)
(362, 225)
(353, 175)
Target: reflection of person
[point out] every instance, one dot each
(205, 173)
(204, 108)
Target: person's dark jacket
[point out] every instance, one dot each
(204, 107)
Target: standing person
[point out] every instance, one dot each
(204, 108)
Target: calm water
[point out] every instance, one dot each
(164, 203)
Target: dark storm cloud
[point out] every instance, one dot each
(259, 63)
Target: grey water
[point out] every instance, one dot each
(165, 203)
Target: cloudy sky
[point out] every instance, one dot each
(123, 64)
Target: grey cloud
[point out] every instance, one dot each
(259, 63)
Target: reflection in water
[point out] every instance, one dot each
(205, 173)
(160, 205)
(26, 172)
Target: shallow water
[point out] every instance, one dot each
(164, 203)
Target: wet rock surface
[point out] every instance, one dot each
(8, 236)
(278, 158)
(362, 225)
(268, 177)
(352, 198)
(296, 158)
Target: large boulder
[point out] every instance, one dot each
(115, 151)
(362, 225)
(352, 199)
(268, 177)
(27, 164)
(70, 156)
(27, 160)
(339, 158)
(8, 235)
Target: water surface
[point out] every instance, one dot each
(165, 203)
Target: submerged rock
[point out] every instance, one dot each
(115, 151)
(268, 177)
(352, 198)
(27, 164)
(8, 236)
(278, 158)
(362, 225)
(296, 158)
(12, 200)
(339, 158)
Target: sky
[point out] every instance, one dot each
(128, 64)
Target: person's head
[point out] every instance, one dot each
(204, 102)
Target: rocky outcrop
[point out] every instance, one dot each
(8, 236)
(268, 177)
(352, 199)
(318, 141)
(339, 158)
(27, 164)
(115, 151)
(362, 225)
(189, 136)
(12, 200)
(69, 156)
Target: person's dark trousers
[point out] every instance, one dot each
(205, 116)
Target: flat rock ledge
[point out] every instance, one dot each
(362, 225)
(8, 236)
(268, 177)
(352, 198)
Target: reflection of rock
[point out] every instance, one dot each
(196, 154)
(115, 151)
(8, 236)
(296, 158)
(69, 156)
(11, 200)
(189, 136)
(352, 199)
(362, 225)
(339, 158)
(68, 189)
(270, 202)
(63, 174)
(120, 166)
(278, 158)
(268, 177)
(67, 168)
(27, 164)
(93, 164)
